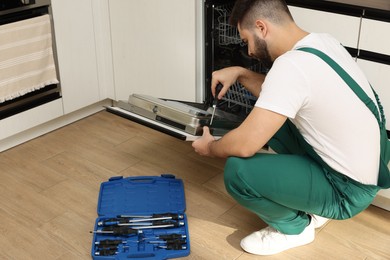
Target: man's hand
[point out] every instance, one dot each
(202, 145)
(228, 76)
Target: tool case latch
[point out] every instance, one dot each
(115, 178)
(168, 176)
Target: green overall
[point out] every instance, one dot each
(283, 188)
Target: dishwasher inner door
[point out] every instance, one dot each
(184, 117)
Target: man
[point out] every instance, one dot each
(327, 141)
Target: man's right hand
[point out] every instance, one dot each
(251, 80)
(226, 77)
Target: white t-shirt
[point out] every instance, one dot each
(331, 118)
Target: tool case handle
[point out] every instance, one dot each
(145, 179)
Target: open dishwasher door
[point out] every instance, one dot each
(179, 119)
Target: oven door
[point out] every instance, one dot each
(28, 86)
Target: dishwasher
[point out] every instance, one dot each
(185, 120)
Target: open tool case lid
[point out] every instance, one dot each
(140, 196)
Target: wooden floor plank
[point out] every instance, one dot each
(49, 191)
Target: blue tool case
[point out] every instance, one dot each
(141, 218)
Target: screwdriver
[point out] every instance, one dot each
(168, 225)
(107, 244)
(103, 247)
(110, 242)
(106, 252)
(167, 237)
(171, 236)
(117, 231)
(215, 101)
(169, 242)
(123, 222)
(152, 223)
(173, 247)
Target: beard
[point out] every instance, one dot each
(261, 53)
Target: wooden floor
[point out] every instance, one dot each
(49, 191)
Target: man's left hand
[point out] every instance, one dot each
(202, 145)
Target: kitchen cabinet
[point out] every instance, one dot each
(375, 36)
(76, 51)
(101, 17)
(375, 59)
(325, 22)
(379, 76)
(154, 48)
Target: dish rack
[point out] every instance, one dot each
(237, 98)
(227, 34)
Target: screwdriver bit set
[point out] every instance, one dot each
(141, 218)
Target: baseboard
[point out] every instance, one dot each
(382, 199)
(52, 125)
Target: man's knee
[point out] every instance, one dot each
(231, 171)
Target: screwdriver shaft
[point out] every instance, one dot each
(215, 102)
(160, 226)
(212, 116)
(148, 219)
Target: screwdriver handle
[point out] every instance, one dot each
(112, 221)
(119, 230)
(171, 236)
(173, 216)
(165, 242)
(106, 252)
(218, 89)
(173, 247)
(110, 242)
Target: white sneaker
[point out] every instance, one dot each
(318, 221)
(269, 241)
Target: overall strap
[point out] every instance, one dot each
(353, 85)
(384, 172)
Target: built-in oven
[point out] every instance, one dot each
(10, 4)
(222, 47)
(14, 20)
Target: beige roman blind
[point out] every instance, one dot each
(26, 57)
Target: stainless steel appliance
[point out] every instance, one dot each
(13, 11)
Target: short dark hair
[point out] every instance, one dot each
(245, 12)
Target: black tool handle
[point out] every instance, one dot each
(218, 89)
(173, 247)
(113, 221)
(106, 252)
(173, 216)
(120, 231)
(111, 242)
(171, 236)
(164, 222)
(176, 241)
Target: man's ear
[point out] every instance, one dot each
(261, 26)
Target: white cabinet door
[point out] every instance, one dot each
(154, 48)
(375, 36)
(75, 41)
(344, 28)
(379, 76)
(101, 16)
